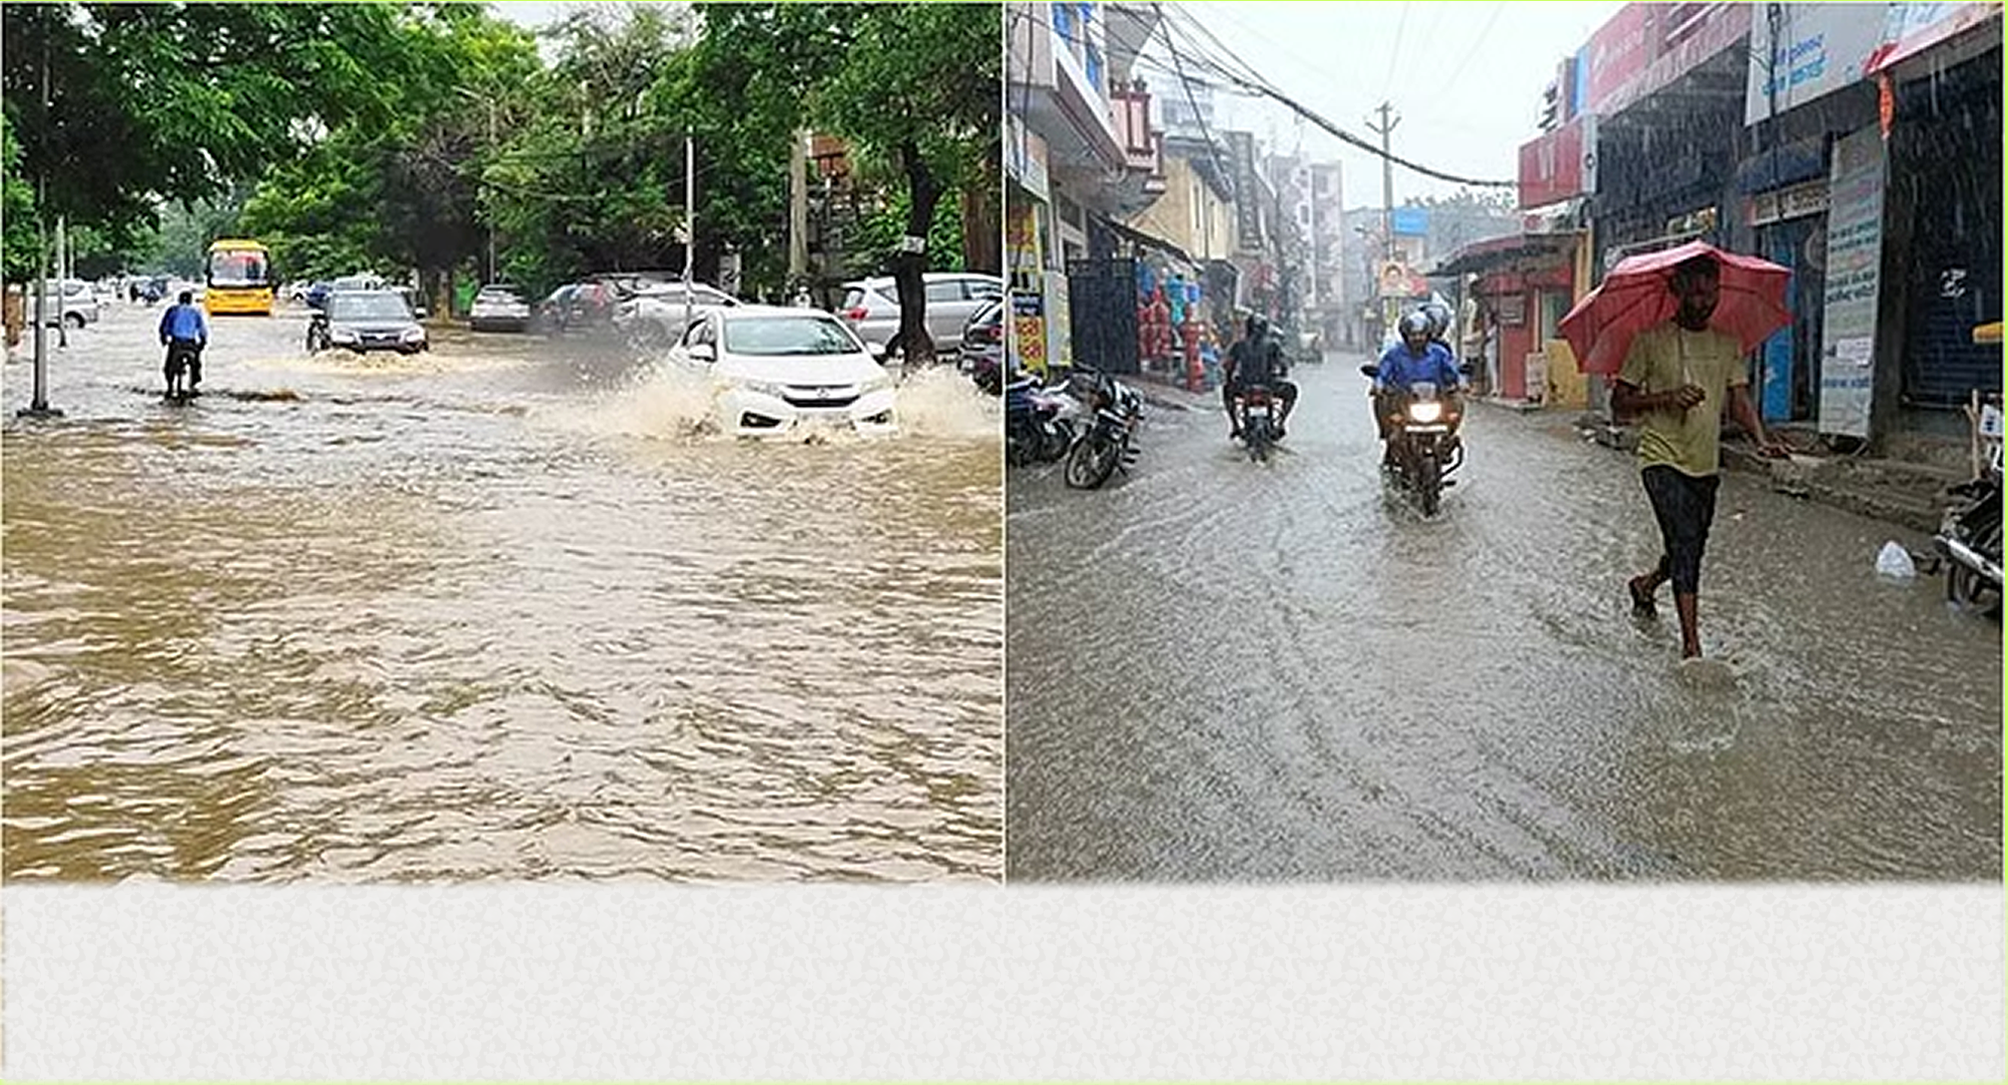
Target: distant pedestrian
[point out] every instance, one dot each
(1675, 380)
(185, 334)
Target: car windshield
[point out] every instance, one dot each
(773, 336)
(368, 307)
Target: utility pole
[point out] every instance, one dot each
(689, 220)
(1384, 130)
(38, 405)
(798, 209)
(62, 279)
(491, 214)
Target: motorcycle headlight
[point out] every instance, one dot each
(1425, 412)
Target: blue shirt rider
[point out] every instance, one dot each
(1417, 358)
(185, 333)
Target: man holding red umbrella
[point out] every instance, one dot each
(1675, 379)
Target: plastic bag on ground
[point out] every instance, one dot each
(1895, 561)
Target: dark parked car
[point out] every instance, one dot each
(981, 354)
(366, 320)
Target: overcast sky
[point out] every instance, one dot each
(1466, 81)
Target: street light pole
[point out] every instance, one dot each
(689, 220)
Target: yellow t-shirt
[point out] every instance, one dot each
(1661, 360)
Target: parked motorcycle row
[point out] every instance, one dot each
(1089, 419)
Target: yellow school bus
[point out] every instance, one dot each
(239, 278)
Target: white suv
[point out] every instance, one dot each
(871, 307)
(77, 307)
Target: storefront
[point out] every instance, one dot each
(1524, 285)
(1037, 335)
(1944, 227)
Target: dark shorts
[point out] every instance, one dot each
(1685, 508)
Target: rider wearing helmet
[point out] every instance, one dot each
(1418, 357)
(1439, 322)
(1256, 358)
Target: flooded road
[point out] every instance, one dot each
(1224, 671)
(495, 611)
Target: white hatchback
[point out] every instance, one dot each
(782, 370)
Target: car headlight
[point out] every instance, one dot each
(342, 335)
(414, 335)
(764, 388)
(880, 383)
(1426, 411)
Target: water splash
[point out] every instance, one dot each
(942, 403)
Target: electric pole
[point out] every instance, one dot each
(1384, 130)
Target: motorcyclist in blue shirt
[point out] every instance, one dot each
(184, 333)
(1417, 358)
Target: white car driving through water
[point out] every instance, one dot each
(780, 370)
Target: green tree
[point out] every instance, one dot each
(192, 97)
(916, 85)
(911, 88)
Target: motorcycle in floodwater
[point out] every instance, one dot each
(1258, 422)
(1423, 442)
(1107, 440)
(1970, 537)
(181, 361)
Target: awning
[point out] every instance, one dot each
(1490, 253)
(1140, 238)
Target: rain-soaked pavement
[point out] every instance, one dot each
(496, 611)
(1231, 672)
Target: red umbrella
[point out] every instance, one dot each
(1635, 296)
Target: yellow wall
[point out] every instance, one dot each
(1170, 216)
(1567, 387)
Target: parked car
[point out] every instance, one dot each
(871, 307)
(72, 302)
(981, 354)
(572, 306)
(785, 369)
(499, 307)
(656, 310)
(366, 320)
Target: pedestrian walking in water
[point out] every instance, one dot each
(1675, 381)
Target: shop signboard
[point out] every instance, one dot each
(1618, 54)
(1692, 33)
(1411, 221)
(1247, 191)
(1793, 201)
(1817, 49)
(1854, 280)
(1911, 28)
(1560, 164)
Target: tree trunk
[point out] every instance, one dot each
(982, 242)
(911, 263)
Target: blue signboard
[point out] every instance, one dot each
(1411, 221)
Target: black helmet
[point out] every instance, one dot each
(1416, 323)
(1257, 327)
(1439, 318)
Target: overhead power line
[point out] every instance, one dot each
(1247, 80)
